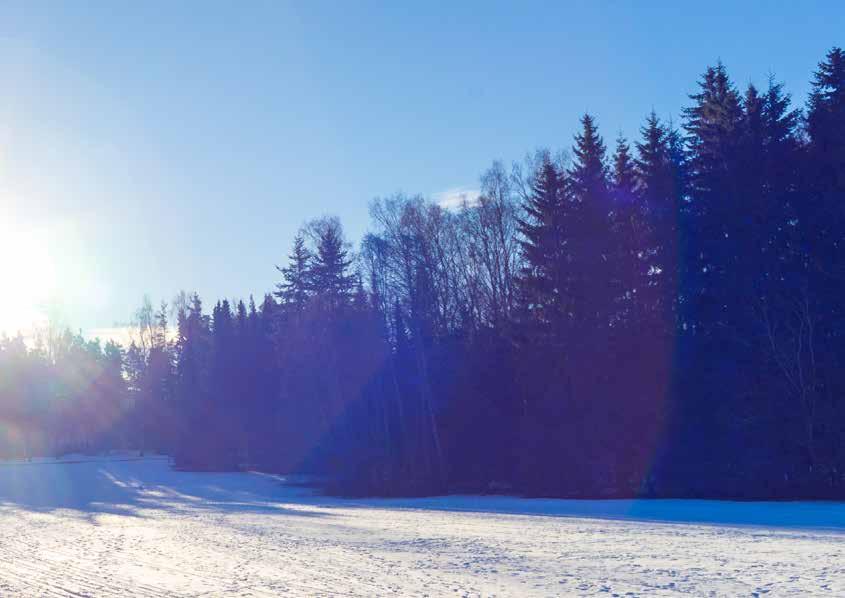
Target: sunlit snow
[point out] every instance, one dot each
(133, 527)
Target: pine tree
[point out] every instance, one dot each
(297, 286)
(136, 369)
(225, 407)
(659, 173)
(253, 311)
(543, 247)
(588, 176)
(268, 315)
(157, 386)
(241, 319)
(194, 435)
(823, 218)
(825, 120)
(714, 125)
(591, 246)
(629, 237)
(112, 385)
(223, 335)
(624, 175)
(653, 164)
(768, 180)
(331, 279)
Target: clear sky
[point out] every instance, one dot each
(148, 147)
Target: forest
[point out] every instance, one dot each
(663, 317)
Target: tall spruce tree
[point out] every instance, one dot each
(824, 218)
(714, 131)
(629, 237)
(542, 283)
(624, 174)
(330, 272)
(296, 286)
(594, 288)
(658, 164)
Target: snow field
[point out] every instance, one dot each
(137, 528)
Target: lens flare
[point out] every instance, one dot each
(27, 278)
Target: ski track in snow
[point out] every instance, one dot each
(137, 528)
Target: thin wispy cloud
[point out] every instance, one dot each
(452, 199)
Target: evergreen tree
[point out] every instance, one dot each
(630, 237)
(658, 166)
(823, 220)
(297, 286)
(624, 175)
(768, 180)
(594, 287)
(331, 279)
(543, 248)
(589, 174)
(825, 121)
(157, 385)
(194, 435)
(714, 126)
(224, 407)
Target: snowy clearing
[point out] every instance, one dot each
(136, 528)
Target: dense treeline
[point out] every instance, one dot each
(661, 319)
(62, 394)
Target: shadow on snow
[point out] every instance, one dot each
(138, 487)
(130, 487)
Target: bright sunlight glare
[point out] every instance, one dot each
(27, 278)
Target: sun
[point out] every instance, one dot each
(27, 278)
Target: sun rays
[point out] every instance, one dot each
(28, 277)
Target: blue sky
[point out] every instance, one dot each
(163, 146)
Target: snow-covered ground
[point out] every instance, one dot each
(135, 528)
